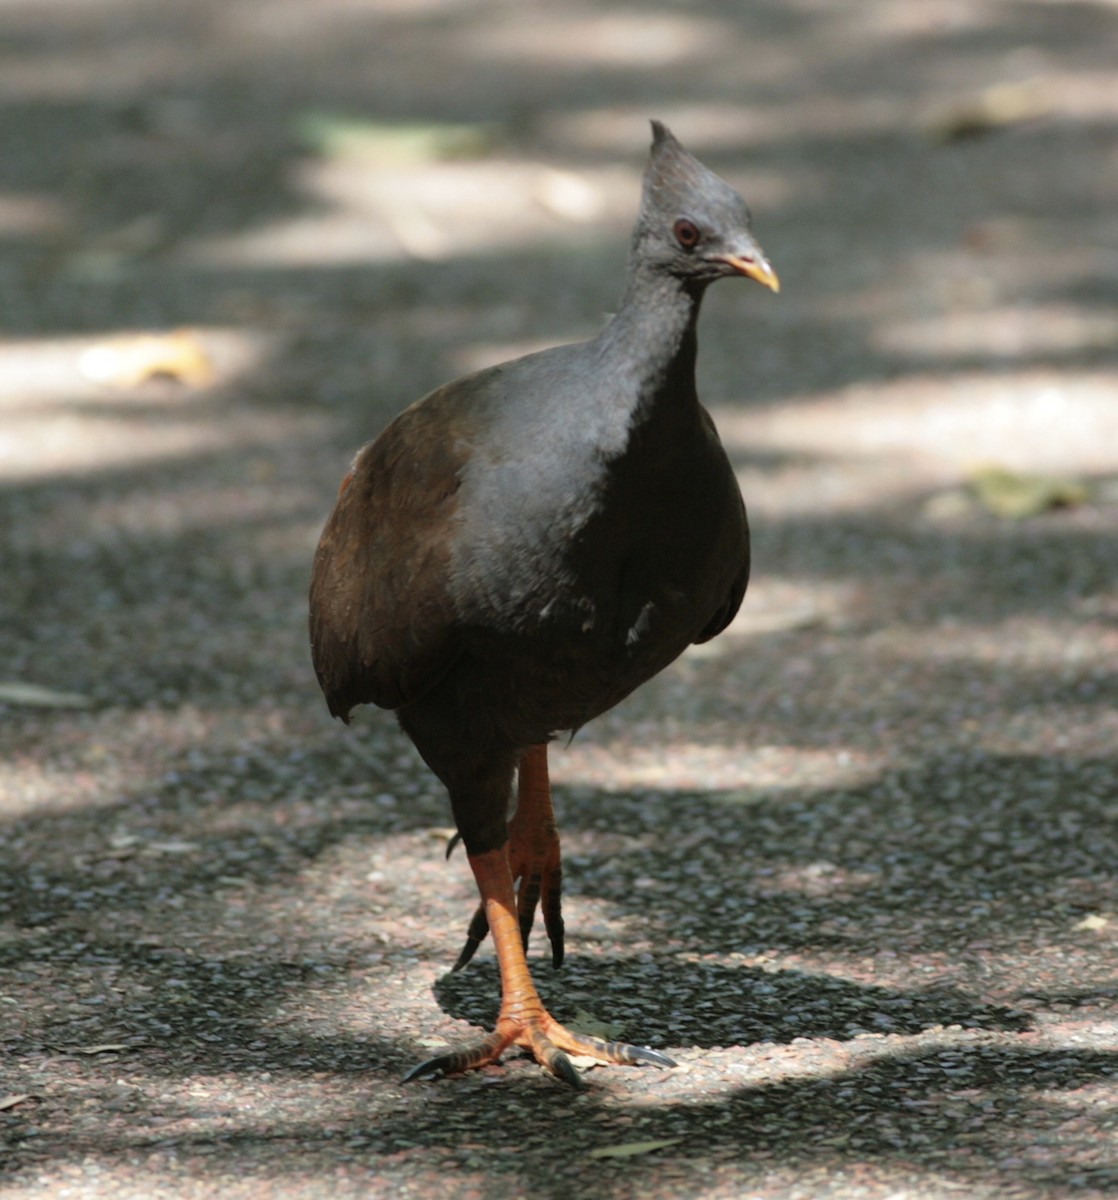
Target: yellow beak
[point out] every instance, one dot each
(756, 268)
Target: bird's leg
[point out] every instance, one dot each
(522, 1019)
(534, 857)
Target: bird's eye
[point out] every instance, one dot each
(686, 233)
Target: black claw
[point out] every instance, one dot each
(554, 1059)
(462, 1058)
(433, 1066)
(475, 935)
(562, 1068)
(622, 1052)
(526, 901)
(645, 1054)
(451, 843)
(553, 919)
(466, 953)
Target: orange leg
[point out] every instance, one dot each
(534, 858)
(522, 1019)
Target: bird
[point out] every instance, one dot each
(522, 548)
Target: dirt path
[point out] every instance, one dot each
(852, 864)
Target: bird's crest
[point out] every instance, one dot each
(674, 180)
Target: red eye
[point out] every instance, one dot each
(686, 233)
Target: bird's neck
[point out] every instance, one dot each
(652, 336)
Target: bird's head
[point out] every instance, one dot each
(692, 224)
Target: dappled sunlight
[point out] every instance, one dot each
(373, 212)
(640, 40)
(95, 767)
(32, 214)
(937, 422)
(70, 444)
(104, 368)
(1002, 332)
(724, 127)
(481, 355)
(92, 404)
(182, 508)
(749, 771)
(31, 787)
(1058, 643)
(783, 604)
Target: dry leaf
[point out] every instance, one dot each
(134, 359)
(1092, 921)
(102, 1048)
(30, 695)
(7, 1102)
(996, 107)
(1017, 494)
(631, 1149)
(175, 846)
(591, 1026)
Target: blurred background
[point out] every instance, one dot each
(236, 236)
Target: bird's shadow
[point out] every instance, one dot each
(666, 1000)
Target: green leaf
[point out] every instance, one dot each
(589, 1025)
(30, 695)
(631, 1149)
(337, 135)
(1016, 495)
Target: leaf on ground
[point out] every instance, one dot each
(1092, 921)
(132, 359)
(174, 846)
(7, 1102)
(399, 143)
(589, 1025)
(100, 1048)
(1016, 495)
(30, 695)
(996, 107)
(632, 1149)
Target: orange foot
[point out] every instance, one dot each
(522, 1019)
(548, 1042)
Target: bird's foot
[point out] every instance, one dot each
(550, 1043)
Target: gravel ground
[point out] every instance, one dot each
(851, 864)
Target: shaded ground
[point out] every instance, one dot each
(852, 863)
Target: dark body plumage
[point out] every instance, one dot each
(523, 547)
